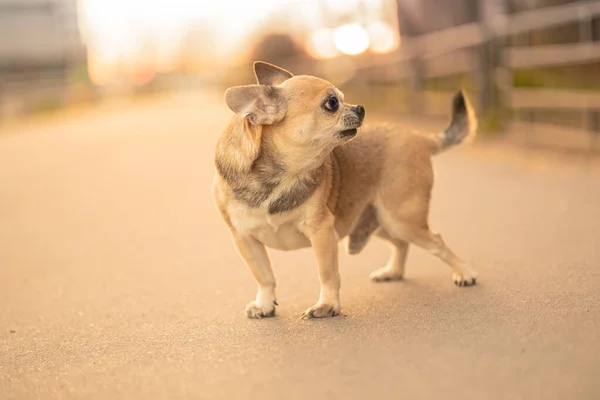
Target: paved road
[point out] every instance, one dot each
(118, 279)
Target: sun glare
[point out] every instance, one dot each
(322, 44)
(342, 5)
(383, 37)
(139, 38)
(351, 39)
(129, 32)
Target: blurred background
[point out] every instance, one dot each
(119, 279)
(532, 67)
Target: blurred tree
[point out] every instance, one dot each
(280, 49)
(417, 17)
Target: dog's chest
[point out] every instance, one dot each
(278, 231)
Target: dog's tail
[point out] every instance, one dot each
(463, 125)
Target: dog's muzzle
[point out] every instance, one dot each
(353, 121)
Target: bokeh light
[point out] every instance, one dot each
(383, 38)
(119, 34)
(322, 44)
(139, 39)
(351, 39)
(342, 6)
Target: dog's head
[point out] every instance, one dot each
(300, 110)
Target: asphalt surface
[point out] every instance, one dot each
(118, 279)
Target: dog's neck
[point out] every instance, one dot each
(257, 165)
(299, 158)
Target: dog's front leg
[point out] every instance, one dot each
(255, 255)
(324, 242)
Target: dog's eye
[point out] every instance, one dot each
(332, 104)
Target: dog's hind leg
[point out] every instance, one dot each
(394, 269)
(368, 225)
(434, 244)
(412, 227)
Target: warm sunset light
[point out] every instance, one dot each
(351, 39)
(122, 34)
(137, 39)
(342, 5)
(235, 199)
(322, 44)
(383, 37)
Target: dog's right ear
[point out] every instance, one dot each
(269, 74)
(263, 105)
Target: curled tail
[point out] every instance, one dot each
(463, 125)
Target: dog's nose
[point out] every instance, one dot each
(360, 111)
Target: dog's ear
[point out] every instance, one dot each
(263, 105)
(269, 74)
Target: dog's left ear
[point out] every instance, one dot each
(262, 105)
(269, 74)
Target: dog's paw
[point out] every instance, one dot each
(322, 311)
(466, 278)
(257, 311)
(386, 274)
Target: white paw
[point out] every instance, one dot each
(386, 274)
(322, 310)
(467, 277)
(262, 310)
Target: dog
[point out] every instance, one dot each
(293, 172)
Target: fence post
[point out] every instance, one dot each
(587, 35)
(417, 83)
(491, 72)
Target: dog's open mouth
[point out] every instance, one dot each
(348, 133)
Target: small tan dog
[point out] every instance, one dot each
(289, 176)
